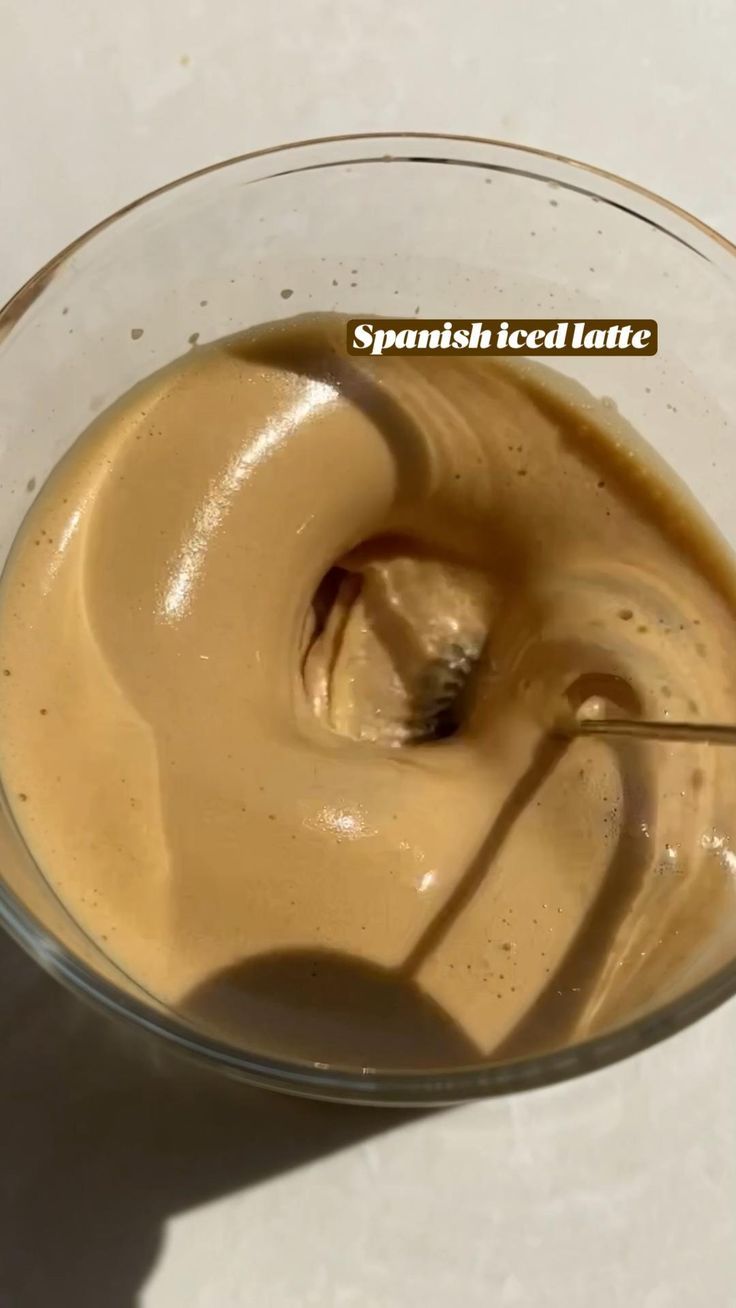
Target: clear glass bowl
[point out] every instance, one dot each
(388, 224)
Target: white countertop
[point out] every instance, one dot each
(125, 1182)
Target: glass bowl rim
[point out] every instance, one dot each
(384, 1087)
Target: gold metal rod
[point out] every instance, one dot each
(709, 733)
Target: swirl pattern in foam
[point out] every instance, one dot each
(223, 620)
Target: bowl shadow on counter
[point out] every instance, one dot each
(105, 1135)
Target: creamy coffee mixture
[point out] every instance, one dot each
(232, 629)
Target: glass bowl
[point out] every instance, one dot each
(400, 225)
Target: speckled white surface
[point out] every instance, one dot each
(123, 1184)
